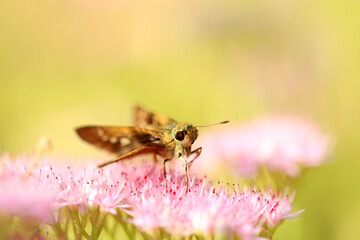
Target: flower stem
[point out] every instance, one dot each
(146, 236)
(60, 233)
(75, 216)
(129, 229)
(97, 224)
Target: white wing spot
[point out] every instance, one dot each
(104, 138)
(100, 132)
(124, 141)
(113, 140)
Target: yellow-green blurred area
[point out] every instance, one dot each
(74, 62)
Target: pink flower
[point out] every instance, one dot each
(280, 143)
(155, 203)
(206, 209)
(26, 199)
(57, 185)
(22, 194)
(85, 187)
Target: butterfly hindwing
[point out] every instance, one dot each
(146, 119)
(119, 140)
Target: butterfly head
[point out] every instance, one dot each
(184, 134)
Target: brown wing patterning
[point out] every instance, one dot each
(119, 140)
(145, 119)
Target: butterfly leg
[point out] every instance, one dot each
(197, 152)
(141, 150)
(164, 167)
(186, 178)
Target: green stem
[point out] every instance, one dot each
(125, 226)
(76, 233)
(271, 232)
(96, 230)
(201, 237)
(164, 234)
(126, 230)
(59, 231)
(75, 216)
(114, 228)
(146, 236)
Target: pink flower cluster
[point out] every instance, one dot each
(280, 143)
(207, 209)
(22, 194)
(153, 202)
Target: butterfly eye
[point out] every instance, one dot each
(179, 135)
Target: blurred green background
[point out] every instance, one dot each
(73, 62)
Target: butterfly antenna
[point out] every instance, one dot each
(223, 122)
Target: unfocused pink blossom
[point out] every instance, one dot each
(141, 191)
(57, 185)
(26, 199)
(22, 194)
(280, 143)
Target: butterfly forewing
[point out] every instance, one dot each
(119, 140)
(146, 119)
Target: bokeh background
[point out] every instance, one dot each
(73, 62)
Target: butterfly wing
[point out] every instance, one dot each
(120, 140)
(146, 119)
